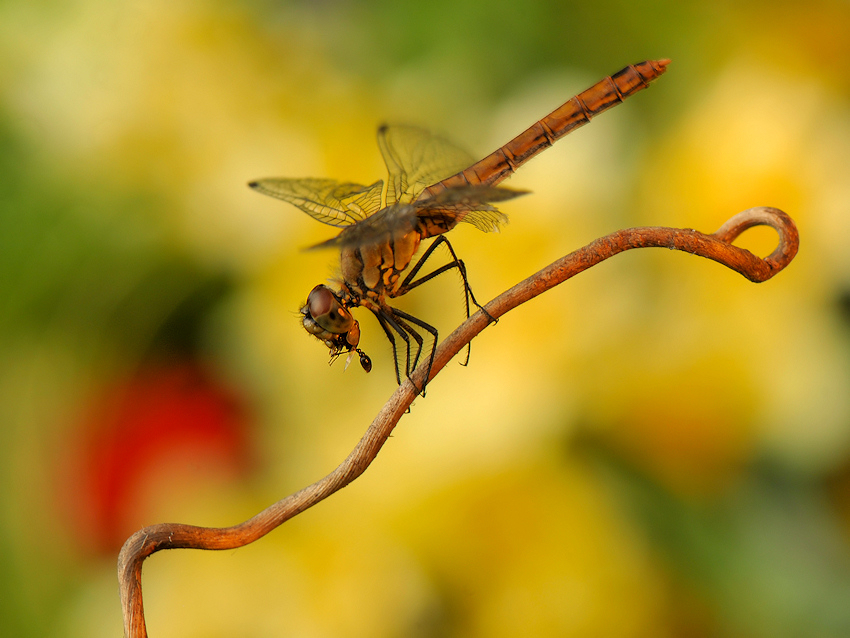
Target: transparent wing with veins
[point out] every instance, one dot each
(325, 200)
(416, 159)
(433, 216)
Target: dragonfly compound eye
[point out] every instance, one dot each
(327, 311)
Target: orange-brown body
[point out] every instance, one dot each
(377, 245)
(371, 272)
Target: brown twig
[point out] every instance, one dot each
(716, 246)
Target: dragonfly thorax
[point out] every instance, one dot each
(374, 269)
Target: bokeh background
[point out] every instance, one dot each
(657, 448)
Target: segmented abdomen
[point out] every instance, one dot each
(576, 112)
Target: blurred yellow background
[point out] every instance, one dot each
(657, 448)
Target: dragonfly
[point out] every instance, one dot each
(431, 186)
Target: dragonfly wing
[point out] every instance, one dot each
(471, 204)
(376, 229)
(326, 200)
(363, 199)
(417, 159)
(429, 217)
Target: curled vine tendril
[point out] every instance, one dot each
(716, 246)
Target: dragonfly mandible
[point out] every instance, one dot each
(431, 187)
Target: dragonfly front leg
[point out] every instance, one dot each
(391, 322)
(394, 321)
(388, 331)
(402, 318)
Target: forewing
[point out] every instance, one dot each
(417, 159)
(326, 200)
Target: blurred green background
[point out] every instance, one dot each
(657, 448)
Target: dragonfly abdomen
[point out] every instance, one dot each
(576, 112)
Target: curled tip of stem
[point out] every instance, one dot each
(789, 238)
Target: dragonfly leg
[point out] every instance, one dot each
(410, 282)
(391, 321)
(394, 321)
(388, 331)
(403, 318)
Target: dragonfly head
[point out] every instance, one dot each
(326, 317)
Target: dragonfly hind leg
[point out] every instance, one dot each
(410, 282)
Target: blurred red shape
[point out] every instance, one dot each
(173, 418)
